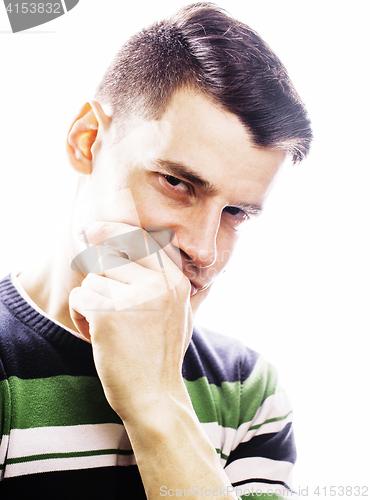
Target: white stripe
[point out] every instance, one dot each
(3, 451)
(275, 406)
(60, 464)
(243, 434)
(227, 439)
(214, 433)
(258, 467)
(271, 427)
(3, 447)
(43, 440)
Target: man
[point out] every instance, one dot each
(107, 390)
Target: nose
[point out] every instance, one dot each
(198, 237)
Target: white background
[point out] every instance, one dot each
(298, 289)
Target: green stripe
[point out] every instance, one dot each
(66, 400)
(74, 454)
(261, 384)
(5, 408)
(233, 403)
(225, 457)
(59, 401)
(268, 421)
(215, 404)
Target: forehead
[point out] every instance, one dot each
(208, 140)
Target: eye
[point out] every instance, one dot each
(237, 213)
(233, 210)
(177, 184)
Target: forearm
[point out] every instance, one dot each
(173, 453)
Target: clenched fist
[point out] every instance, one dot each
(136, 312)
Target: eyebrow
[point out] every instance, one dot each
(179, 170)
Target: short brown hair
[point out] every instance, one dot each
(203, 47)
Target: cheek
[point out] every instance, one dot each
(153, 212)
(128, 201)
(119, 206)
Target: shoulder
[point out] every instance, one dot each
(8, 301)
(221, 358)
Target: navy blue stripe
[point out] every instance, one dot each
(32, 346)
(27, 355)
(261, 480)
(218, 358)
(32, 339)
(108, 483)
(276, 446)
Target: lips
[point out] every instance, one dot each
(196, 288)
(186, 266)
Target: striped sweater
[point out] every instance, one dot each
(61, 439)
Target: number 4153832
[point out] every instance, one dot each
(34, 8)
(342, 491)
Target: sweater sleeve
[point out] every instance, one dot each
(5, 404)
(263, 453)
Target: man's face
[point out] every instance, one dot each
(196, 171)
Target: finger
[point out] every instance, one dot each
(149, 283)
(82, 301)
(132, 240)
(128, 241)
(146, 268)
(81, 304)
(98, 231)
(121, 296)
(104, 286)
(123, 270)
(137, 244)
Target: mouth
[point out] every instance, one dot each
(196, 288)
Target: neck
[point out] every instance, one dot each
(49, 285)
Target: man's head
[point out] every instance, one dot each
(204, 48)
(202, 116)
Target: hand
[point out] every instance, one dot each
(138, 317)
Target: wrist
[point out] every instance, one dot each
(152, 406)
(169, 420)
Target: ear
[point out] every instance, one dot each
(82, 135)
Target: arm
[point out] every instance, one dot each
(140, 323)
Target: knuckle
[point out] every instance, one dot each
(73, 293)
(88, 281)
(99, 231)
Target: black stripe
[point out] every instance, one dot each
(276, 446)
(26, 353)
(217, 357)
(261, 480)
(32, 346)
(106, 483)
